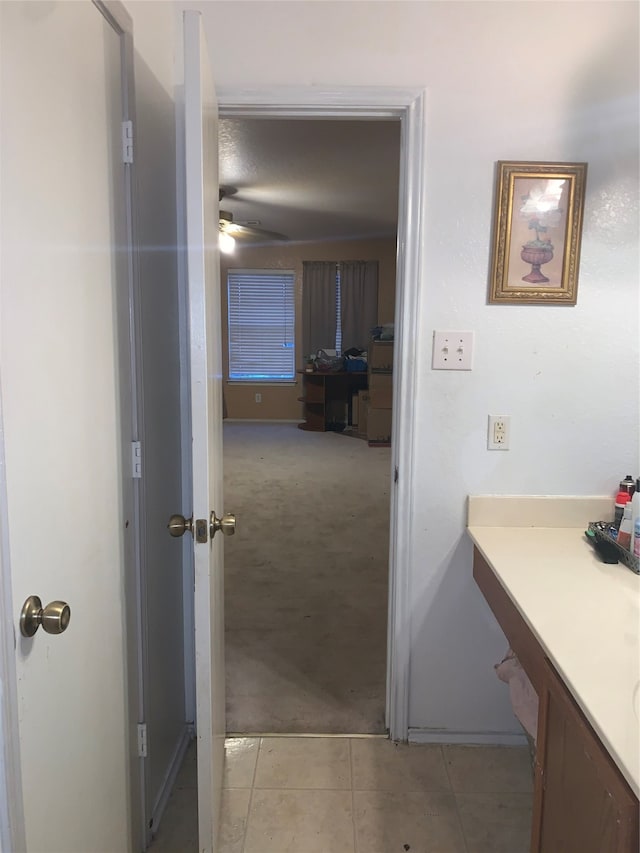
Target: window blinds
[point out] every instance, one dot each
(261, 325)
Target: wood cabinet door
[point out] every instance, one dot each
(583, 804)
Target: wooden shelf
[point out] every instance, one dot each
(327, 398)
(380, 379)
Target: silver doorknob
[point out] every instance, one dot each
(54, 618)
(178, 525)
(227, 524)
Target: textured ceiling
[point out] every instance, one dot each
(320, 179)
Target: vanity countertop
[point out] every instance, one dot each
(584, 613)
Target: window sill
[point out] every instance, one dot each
(289, 383)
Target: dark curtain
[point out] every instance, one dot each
(359, 302)
(318, 306)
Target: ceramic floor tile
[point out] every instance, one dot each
(240, 755)
(233, 819)
(482, 769)
(496, 823)
(382, 765)
(178, 831)
(300, 822)
(303, 763)
(390, 821)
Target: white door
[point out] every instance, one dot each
(203, 267)
(65, 384)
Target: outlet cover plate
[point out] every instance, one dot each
(452, 351)
(498, 432)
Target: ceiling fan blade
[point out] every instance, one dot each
(244, 233)
(249, 233)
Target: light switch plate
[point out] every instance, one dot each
(452, 351)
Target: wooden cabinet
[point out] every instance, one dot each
(582, 802)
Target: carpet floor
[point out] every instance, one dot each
(306, 580)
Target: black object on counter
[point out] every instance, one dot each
(607, 551)
(602, 534)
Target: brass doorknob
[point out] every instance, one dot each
(227, 524)
(178, 525)
(54, 618)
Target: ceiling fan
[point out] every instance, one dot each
(247, 232)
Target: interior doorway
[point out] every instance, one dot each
(408, 105)
(306, 582)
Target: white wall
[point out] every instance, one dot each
(156, 37)
(505, 80)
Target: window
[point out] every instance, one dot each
(261, 325)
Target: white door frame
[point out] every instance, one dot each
(408, 105)
(134, 581)
(134, 590)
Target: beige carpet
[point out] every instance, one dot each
(306, 580)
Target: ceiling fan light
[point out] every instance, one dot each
(226, 243)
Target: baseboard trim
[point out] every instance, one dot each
(263, 421)
(470, 738)
(170, 777)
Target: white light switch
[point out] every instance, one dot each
(452, 351)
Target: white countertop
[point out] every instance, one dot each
(586, 616)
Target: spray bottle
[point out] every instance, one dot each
(635, 520)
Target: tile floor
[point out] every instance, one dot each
(359, 795)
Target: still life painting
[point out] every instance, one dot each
(537, 232)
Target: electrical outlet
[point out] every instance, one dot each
(258, 398)
(498, 432)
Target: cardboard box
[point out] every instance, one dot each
(381, 390)
(380, 356)
(355, 410)
(363, 412)
(379, 426)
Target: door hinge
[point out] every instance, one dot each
(127, 142)
(142, 740)
(136, 460)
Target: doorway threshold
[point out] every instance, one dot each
(384, 736)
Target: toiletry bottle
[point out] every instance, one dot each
(624, 534)
(635, 518)
(636, 537)
(622, 499)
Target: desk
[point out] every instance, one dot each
(327, 398)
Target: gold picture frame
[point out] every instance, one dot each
(547, 198)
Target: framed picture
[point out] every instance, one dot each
(537, 233)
